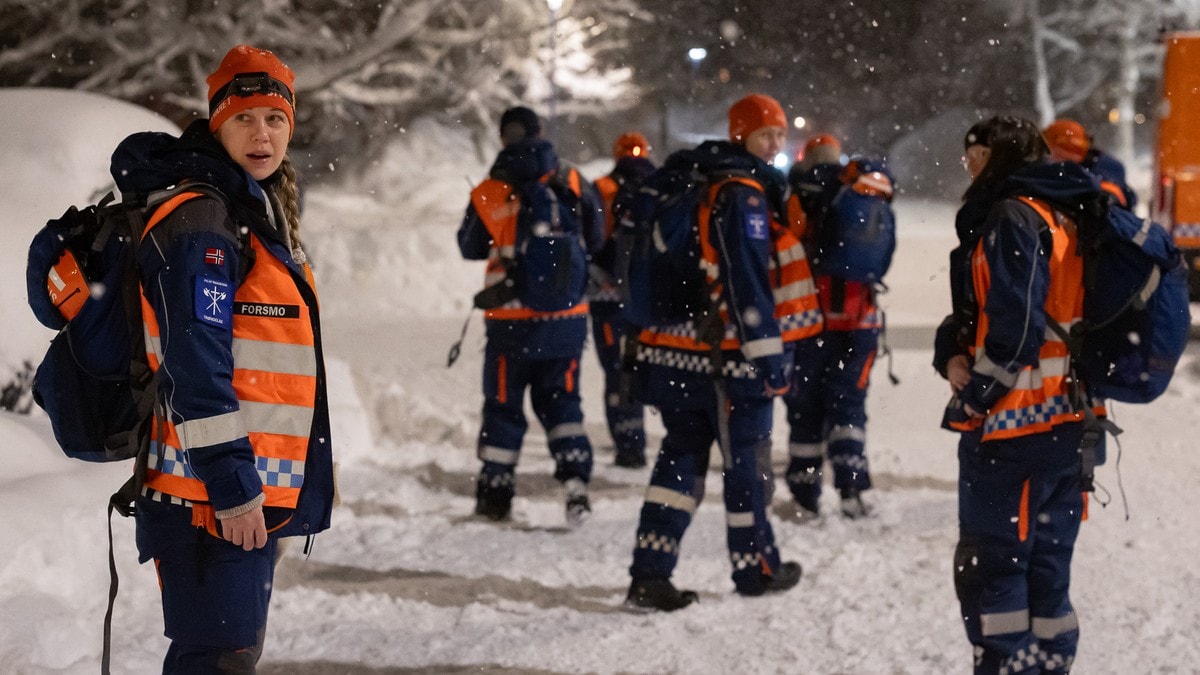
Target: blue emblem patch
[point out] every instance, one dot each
(214, 301)
(756, 226)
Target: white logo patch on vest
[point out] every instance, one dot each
(214, 301)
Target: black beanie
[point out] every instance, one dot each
(978, 135)
(526, 118)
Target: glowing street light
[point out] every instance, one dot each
(697, 54)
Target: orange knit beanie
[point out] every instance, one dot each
(249, 78)
(753, 113)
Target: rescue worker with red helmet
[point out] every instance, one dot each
(1070, 142)
(526, 348)
(239, 454)
(827, 402)
(626, 424)
(716, 380)
(1020, 495)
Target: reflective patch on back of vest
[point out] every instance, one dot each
(271, 310)
(214, 301)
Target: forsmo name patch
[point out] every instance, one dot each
(267, 309)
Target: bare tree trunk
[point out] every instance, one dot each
(1128, 79)
(1043, 101)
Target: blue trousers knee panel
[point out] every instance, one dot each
(676, 488)
(215, 595)
(1020, 508)
(553, 386)
(827, 403)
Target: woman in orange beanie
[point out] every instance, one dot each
(240, 454)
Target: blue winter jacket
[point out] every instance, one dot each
(680, 379)
(1015, 240)
(196, 374)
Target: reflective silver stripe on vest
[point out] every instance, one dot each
(794, 290)
(1003, 623)
(743, 519)
(789, 255)
(567, 430)
(214, 430)
(806, 450)
(153, 346)
(762, 347)
(985, 366)
(670, 499)
(1045, 628)
(277, 418)
(490, 453)
(274, 357)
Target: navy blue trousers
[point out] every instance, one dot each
(553, 385)
(827, 411)
(625, 421)
(1019, 509)
(214, 594)
(677, 488)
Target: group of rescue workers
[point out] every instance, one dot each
(1020, 502)
(240, 456)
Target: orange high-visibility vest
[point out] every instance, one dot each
(498, 206)
(274, 379)
(607, 187)
(1040, 398)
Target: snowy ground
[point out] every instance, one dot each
(407, 581)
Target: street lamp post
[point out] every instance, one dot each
(554, 6)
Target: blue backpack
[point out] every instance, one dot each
(1135, 308)
(82, 280)
(551, 260)
(657, 240)
(858, 235)
(548, 269)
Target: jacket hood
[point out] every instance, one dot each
(525, 160)
(1066, 185)
(149, 161)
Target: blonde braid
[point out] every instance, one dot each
(288, 191)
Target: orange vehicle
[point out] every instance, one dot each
(1176, 202)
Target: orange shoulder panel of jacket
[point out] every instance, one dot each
(496, 206)
(162, 210)
(1114, 190)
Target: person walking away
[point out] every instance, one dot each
(526, 349)
(1069, 141)
(1020, 499)
(626, 425)
(826, 405)
(240, 452)
(719, 385)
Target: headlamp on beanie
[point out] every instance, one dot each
(249, 78)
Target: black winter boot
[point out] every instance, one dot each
(649, 595)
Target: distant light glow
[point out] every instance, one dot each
(697, 54)
(1114, 116)
(554, 5)
(780, 160)
(799, 122)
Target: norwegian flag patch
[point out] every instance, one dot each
(214, 256)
